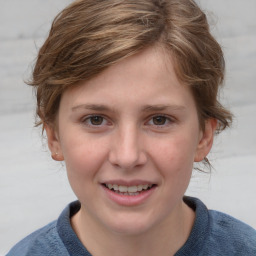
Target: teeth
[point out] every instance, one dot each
(123, 189)
(110, 186)
(115, 187)
(132, 190)
(140, 187)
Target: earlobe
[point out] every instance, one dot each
(53, 143)
(206, 140)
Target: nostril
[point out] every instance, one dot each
(125, 160)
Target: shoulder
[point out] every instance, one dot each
(232, 234)
(216, 233)
(44, 241)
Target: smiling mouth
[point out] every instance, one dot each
(129, 190)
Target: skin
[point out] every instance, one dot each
(144, 128)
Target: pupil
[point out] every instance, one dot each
(159, 120)
(96, 120)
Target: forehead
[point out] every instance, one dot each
(146, 76)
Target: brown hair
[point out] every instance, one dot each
(90, 35)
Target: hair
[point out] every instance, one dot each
(90, 35)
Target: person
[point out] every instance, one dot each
(127, 95)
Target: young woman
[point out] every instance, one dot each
(127, 95)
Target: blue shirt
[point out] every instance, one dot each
(213, 233)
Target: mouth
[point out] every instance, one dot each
(129, 190)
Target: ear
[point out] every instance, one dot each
(53, 143)
(206, 140)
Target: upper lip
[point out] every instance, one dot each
(129, 183)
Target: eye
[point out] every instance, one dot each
(95, 121)
(160, 120)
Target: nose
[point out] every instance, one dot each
(126, 149)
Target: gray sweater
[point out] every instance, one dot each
(213, 233)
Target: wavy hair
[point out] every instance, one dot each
(90, 35)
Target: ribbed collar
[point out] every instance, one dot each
(66, 232)
(200, 230)
(193, 245)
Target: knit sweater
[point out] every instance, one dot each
(213, 233)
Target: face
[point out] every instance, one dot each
(129, 138)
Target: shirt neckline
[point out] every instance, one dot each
(200, 229)
(194, 243)
(66, 232)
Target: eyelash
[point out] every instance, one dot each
(168, 120)
(88, 121)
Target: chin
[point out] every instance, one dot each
(131, 225)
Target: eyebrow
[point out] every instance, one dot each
(147, 108)
(95, 107)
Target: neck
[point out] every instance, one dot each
(165, 239)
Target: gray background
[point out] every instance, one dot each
(34, 189)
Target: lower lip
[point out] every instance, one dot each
(126, 200)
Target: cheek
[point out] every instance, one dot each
(174, 156)
(83, 158)
(83, 164)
